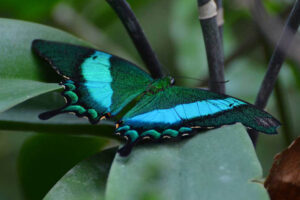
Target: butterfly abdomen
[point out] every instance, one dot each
(159, 85)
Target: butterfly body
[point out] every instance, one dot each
(99, 85)
(159, 85)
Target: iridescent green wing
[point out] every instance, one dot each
(178, 111)
(97, 84)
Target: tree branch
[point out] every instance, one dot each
(123, 10)
(220, 18)
(272, 26)
(213, 44)
(277, 60)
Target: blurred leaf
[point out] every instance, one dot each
(45, 158)
(240, 73)
(17, 60)
(218, 164)
(188, 40)
(21, 72)
(276, 6)
(86, 181)
(283, 182)
(33, 10)
(267, 147)
(15, 91)
(101, 13)
(10, 145)
(296, 73)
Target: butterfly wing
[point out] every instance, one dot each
(97, 84)
(177, 111)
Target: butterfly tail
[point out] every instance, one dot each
(126, 149)
(50, 114)
(132, 138)
(259, 120)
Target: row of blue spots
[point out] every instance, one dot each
(184, 112)
(96, 71)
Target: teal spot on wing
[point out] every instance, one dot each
(74, 108)
(96, 73)
(170, 132)
(152, 133)
(132, 134)
(93, 113)
(181, 112)
(101, 93)
(95, 66)
(70, 86)
(72, 96)
(123, 128)
(185, 129)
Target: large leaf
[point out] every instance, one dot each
(18, 64)
(14, 91)
(218, 164)
(86, 181)
(45, 158)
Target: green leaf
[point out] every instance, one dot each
(86, 181)
(32, 10)
(15, 91)
(45, 158)
(17, 59)
(217, 164)
(21, 73)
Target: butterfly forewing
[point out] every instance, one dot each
(97, 84)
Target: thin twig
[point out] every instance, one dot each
(214, 47)
(123, 10)
(277, 60)
(272, 26)
(220, 18)
(278, 56)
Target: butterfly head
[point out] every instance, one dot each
(160, 84)
(167, 81)
(171, 80)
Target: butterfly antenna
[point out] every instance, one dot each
(200, 80)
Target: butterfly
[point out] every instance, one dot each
(98, 85)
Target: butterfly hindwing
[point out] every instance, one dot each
(178, 111)
(97, 84)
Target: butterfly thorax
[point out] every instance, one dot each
(159, 85)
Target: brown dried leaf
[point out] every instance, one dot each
(283, 182)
